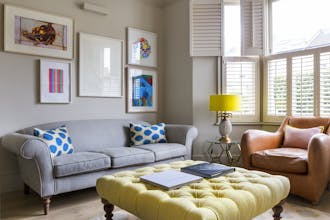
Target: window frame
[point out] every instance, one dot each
(316, 52)
(244, 118)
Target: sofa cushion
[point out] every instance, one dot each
(80, 162)
(288, 160)
(299, 137)
(165, 151)
(57, 139)
(142, 134)
(126, 156)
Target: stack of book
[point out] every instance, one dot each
(208, 170)
(172, 179)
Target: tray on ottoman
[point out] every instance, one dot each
(242, 194)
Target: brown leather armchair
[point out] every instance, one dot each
(307, 169)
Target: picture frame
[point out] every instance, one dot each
(142, 47)
(55, 81)
(100, 66)
(142, 90)
(37, 33)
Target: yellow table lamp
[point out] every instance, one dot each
(223, 104)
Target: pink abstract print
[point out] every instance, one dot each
(55, 80)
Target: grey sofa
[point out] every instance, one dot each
(100, 147)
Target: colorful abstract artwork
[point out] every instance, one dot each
(55, 81)
(40, 33)
(37, 33)
(142, 48)
(142, 90)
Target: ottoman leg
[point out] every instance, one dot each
(108, 208)
(278, 209)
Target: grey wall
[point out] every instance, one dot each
(190, 82)
(19, 74)
(178, 64)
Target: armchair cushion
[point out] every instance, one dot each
(299, 137)
(288, 160)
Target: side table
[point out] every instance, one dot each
(217, 148)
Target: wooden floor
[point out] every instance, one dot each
(85, 204)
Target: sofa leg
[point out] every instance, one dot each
(108, 208)
(278, 209)
(46, 203)
(26, 189)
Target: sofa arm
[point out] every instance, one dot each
(32, 150)
(26, 146)
(182, 134)
(256, 140)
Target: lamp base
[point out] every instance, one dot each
(224, 139)
(225, 129)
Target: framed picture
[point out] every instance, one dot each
(141, 90)
(55, 81)
(100, 66)
(142, 47)
(37, 33)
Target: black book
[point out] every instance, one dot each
(208, 170)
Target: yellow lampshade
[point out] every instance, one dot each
(225, 103)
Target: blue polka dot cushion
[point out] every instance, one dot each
(58, 140)
(142, 134)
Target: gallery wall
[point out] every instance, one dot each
(19, 73)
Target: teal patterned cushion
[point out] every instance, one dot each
(57, 139)
(142, 134)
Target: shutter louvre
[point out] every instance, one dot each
(252, 21)
(205, 27)
(303, 85)
(325, 84)
(240, 78)
(276, 88)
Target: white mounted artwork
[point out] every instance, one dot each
(55, 81)
(100, 66)
(142, 47)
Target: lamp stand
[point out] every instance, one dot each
(225, 127)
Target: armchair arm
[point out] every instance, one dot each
(182, 134)
(319, 157)
(255, 140)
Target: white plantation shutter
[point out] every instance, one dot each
(276, 88)
(205, 27)
(252, 21)
(303, 86)
(240, 77)
(325, 84)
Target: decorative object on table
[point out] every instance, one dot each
(231, 149)
(58, 140)
(142, 47)
(208, 170)
(37, 33)
(222, 104)
(170, 179)
(144, 134)
(55, 81)
(100, 66)
(142, 90)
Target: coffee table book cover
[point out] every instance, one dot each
(170, 179)
(208, 170)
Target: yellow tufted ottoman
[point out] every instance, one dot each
(240, 195)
